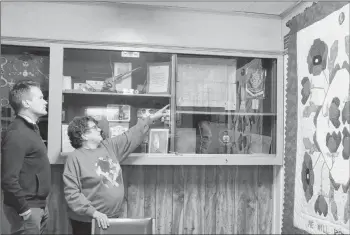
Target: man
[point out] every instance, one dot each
(25, 167)
(93, 179)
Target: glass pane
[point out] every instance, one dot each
(18, 63)
(225, 105)
(116, 88)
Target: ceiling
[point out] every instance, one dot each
(263, 8)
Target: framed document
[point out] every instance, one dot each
(158, 141)
(206, 83)
(158, 75)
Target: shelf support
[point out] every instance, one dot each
(278, 170)
(173, 102)
(55, 103)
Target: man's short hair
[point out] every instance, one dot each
(77, 127)
(18, 91)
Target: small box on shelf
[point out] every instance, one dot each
(118, 113)
(67, 83)
(78, 86)
(97, 85)
(96, 112)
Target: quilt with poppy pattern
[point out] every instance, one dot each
(322, 178)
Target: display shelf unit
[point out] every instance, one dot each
(66, 60)
(80, 64)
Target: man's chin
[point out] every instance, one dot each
(41, 114)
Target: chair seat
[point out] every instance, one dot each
(125, 226)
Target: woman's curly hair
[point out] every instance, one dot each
(77, 127)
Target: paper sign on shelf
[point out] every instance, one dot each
(132, 54)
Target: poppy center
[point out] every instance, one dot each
(307, 175)
(341, 18)
(317, 60)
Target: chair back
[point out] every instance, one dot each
(125, 226)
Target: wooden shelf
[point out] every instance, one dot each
(225, 113)
(195, 159)
(78, 92)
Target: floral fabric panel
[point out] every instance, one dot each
(322, 194)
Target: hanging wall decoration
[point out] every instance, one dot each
(16, 67)
(255, 80)
(317, 137)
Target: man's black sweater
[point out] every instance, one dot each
(25, 167)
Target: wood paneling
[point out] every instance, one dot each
(178, 200)
(186, 199)
(194, 199)
(136, 193)
(58, 219)
(164, 199)
(265, 210)
(246, 200)
(225, 207)
(210, 200)
(150, 191)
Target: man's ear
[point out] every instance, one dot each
(25, 104)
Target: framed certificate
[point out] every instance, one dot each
(158, 141)
(158, 75)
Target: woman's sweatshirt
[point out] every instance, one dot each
(93, 178)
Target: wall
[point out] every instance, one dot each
(112, 22)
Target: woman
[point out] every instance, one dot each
(93, 180)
